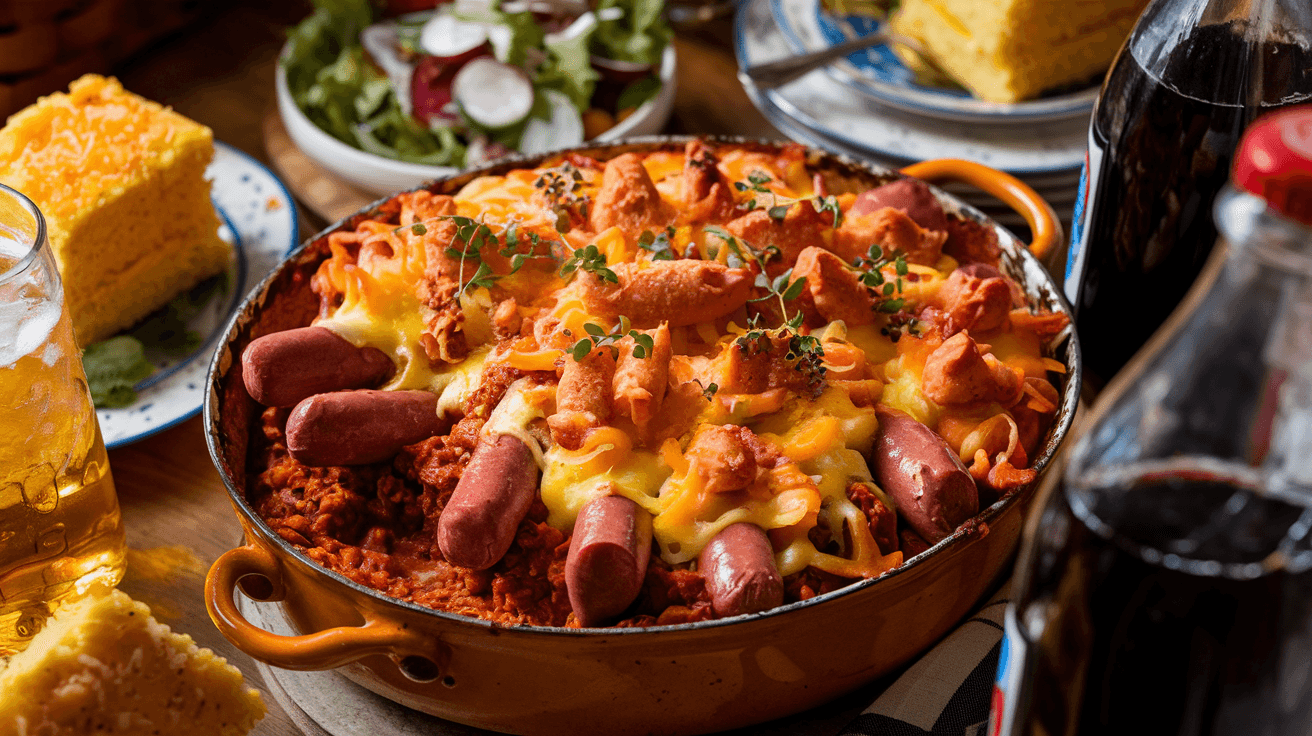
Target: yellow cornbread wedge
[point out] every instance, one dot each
(103, 665)
(1012, 50)
(120, 180)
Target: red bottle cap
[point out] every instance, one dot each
(1275, 162)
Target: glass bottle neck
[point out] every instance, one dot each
(1229, 376)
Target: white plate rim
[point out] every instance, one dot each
(799, 117)
(259, 249)
(927, 102)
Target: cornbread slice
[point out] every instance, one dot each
(1012, 50)
(103, 665)
(121, 183)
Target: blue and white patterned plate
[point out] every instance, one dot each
(879, 74)
(1051, 150)
(259, 219)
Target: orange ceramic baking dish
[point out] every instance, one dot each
(683, 679)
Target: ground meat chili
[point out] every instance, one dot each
(656, 390)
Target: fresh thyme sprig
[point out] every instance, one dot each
(779, 205)
(643, 344)
(888, 294)
(742, 253)
(658, 244)
(588, 259)
(804, 351)
(475, 235)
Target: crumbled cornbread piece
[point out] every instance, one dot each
(120, 181)
(1012, 50)
(102, 664)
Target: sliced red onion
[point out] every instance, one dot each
(430, 88)
(492, 94)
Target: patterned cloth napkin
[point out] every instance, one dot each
(947, 691)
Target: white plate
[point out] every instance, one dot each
(878, 73)
(260, 221)
(820, 104)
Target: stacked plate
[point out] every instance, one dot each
(870, 106)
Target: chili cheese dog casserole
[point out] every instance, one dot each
(657, 389)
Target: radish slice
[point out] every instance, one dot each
(452, 39)
(431, 90)
(492, 94)
(564, 129)
(380, 42)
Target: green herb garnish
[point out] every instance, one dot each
(591, 260)
(113, 368)
(643, 344)
(658, 244)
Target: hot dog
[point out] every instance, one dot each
(740, 573)
(493, 495)
(360, 427)
(932, 489)
(607, 559)
(285, 368)
(680, 292)
(912, 196)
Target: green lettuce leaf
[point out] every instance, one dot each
(113, 367)
(332, 82)
(569, 69)
(639, 36)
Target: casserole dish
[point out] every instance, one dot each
(686, 678)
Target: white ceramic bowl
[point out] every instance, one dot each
(380, 175)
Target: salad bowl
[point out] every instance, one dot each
(466, 110)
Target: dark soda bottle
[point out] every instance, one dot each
(1190, 78)
(1165, 581)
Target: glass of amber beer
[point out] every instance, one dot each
(60, 527)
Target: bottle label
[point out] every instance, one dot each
(1085, 201)
(1008, 685)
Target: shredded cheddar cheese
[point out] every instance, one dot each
(645, 307)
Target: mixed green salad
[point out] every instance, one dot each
(471, 80)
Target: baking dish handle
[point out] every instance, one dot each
(318, 651)
(1043, 222)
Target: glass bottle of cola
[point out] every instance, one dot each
(1190, 78)
(1165, 580)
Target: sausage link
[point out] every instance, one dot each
(479, 522)
(934, 492)
(607, 559)
(911, 196)
(583, 398)
(681, 292)
(738, 566)
(285, 368)
(360, 427)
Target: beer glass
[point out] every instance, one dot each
(60, 527)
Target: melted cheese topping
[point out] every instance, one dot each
(823, 440)
(607, 464)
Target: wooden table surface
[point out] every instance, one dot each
(220, 73)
